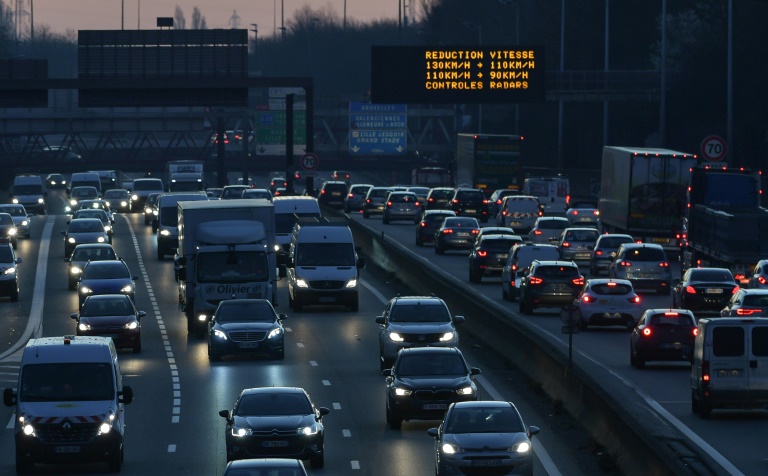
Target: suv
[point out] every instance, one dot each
(489, 255)
(401, 206)
(375, 200)
(415, 321)
(520, 257)
(470, 202)
(332, 194)
(645, 265)
(747, 303)
(141, 189)
(549, 284)
(424, 381)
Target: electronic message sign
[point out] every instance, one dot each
(457, 74)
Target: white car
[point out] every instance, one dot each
(547, 230)
(608, 302)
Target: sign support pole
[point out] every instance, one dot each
(289, 165)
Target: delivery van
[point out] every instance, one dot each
(553, 193)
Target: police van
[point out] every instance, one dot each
(69, 403)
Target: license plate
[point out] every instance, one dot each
(503, 256)
(486, 462)
(248, 345)
(66, 449)
(434, 406)
(470, 211)
(729, 373)
(336, 194)
(714, 291)
(274, 444)
(516, 223)
(462, 234)
(582, 255)
(327, 299)
(673, 345)
(660, 240)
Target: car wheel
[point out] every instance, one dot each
(72, 286)
(523, 308)
(137, 347)
(296, 305)
(630, 324)
(665, 291)
(317, 462)
(639, 361)
(212, 356)
(593, 271)
(394, 421)
(382, 362)
(23, 466)
(417, 220)
(160, 254)
(705, 409)
(115, 461)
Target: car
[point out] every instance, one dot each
(96, 213)
(497, 198)
(401, 206)
(118, 199)
(214, 193)
(421, 193)
(456, 233)
(257, 193)
(704, 289)
(277, 182)
(95, 205)
(248, 182)
(424, 380)
(645, 264)
(605, 250)
(549, 284)
(232, 192)
(355, 199)
(84, 253)
(341, 175)
(576, 244)
(439, 198)
(489, 255)
(520, 257)
(149, 208)
(332, 194)
(20, 217)
(265, 466)
(280, 191)
(83, 230)
(587, 216)
(141, 189)
(663, 335)
(498, 230)
(246, 326)
(53, 181)
(547, 230)
(265, 422)
(415, 321)
(430, 222)
(9, 272)
(470, 202)
(85, 192)
(746, 303)
(759, 278)
(111, 315)
(106, 277)
(483, 437)
(375, 200)
(607, 302)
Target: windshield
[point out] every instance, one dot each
(82, 192)
(13, 210)
(87, 183)
(169, 216)
(88, 225)
(186, 186)
(419, 313)
(325, 254)
(147, 185)
(232, 267)
(66, 382)
(112, 271)
(284, 221)
(93, 254)
(274, 404)
(98, 213)
(118, 306)
(5, 219)
(27, 189)
(116, 194)
(484, 420)
(712, 275)
(614, 242)
(431, 364)
(240, 311)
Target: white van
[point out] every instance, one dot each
(323, 266)
(288, 209)
(85, 179)
(730, 364)
(69, 403)
(553, 193)
(28, 190)
(519, 212)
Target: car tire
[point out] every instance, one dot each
(317, 462)
(417, 220)
(525, 308)
(115, 461)
(639, 361)
(295, 305)
(137, 347)
(393, 421)
(594, 271)
(14, 243)
(213, 357)
(382, 362)
(439, 250)
(385, 219)
(665, 291)
(23, 465)
(71, 286)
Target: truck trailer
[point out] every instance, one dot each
(489, 161)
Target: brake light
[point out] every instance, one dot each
(735, 289)
(690, 290)
(537, 232)
(423, 224)
(350, 195)
(596, 212)
(417, 204)
(512, 283)
(485, 202)
(535, 280)
(705, 370)
(498, 202)
(747, 312)
(671, 314)
(634, 300)
(578, 281)
(482, 253)
(664, 264)
(566, 244)
(625, 263)
(455, 200)
(389, 204)
(447, 231)
(367, 200)
(504, 213)
(740, 277)
(514, 267)
(647, 332)
(475, 231)
(599, 252)
(695, 331)
(575, 212)
(430, 199)
(761, 280)
(587, 298)
(322, 192)
(609, 284)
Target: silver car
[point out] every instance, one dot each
(401, 206)
(605, 250)
(608, 302)
(548, 229)
(20, 217)
(645, 265)
(355, 199)
(576, 244)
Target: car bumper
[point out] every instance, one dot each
(220, 347)
(295, 447)
(374, 209)
(705, 304)
(463, 243)
(550, 300)
(8, 284)
(123, 338)
(576, 256)
(99, 448)
(664, 350)
(410, 408)
(308, 297)
(487, 462)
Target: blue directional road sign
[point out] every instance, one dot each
(378, 129)
(373, 142)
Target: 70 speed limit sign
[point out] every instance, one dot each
(713, 148)
(309, 161)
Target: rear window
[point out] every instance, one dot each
(645, 254)
(672, 319)
(557, 271)
(756, 300)
(728, 341)
(359, 190)
(6, 254)
(712, 275)
(441, 194)
(474, 195)
(335, 187)
(378, 192)
(147, 185)
(498, 245)
(760, 341)
(614, 241)
(402, 198)
(467, 222)
(435, 218)
(553, 224)
(612, 289)
(582, 235)
(526, 205)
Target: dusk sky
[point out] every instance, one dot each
(61, 15)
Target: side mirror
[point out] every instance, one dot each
(126, 396)
(182, 260)
(18, 260)
(432, 432)
(74, 315)
(379, 319)
(141, 314)
(386, 372)
(323, 411)
(224, 414)
(134, 278)
(9, 397)
(474, 371)
(533, 430)
(282, 316)
(458, 319)
(64, 232)
(675, 282)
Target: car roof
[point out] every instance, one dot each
(420, 300)
(103, 297)
(556, 263)
(634, 245)
(109, 262)
(268, 390)
(429, 350)
(484, 404)
(609, 280)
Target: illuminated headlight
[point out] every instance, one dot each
(10, 270)
(63, 182)
(351, 283)
(75, 270)
(85, 290)
(395, 337)
(73, 202)
(107, 228)
(128, 288)
(24, 223)
(71, 239)
(105, 428)
(219, 333)
(402, 392)
(95, 205)
(147, 210)
(108, 204)
(101, 239)
(154, 212)
(165, 232)
(202, 317)
(123, 203)
(274, 333)
(450, 449)
(40, 200)
(301, 283)
(308, 430)
(523, 447)
(277, 247)
(84, 327)
(53, 182)
(468, 390)
(67, 209)
(132, 325)
(242, 432)
(16, 200)
(134, 197)
(12, 232)
(27, 428)
(447, 337)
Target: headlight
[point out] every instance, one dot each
(154, 212)
(101, 239)
(202, 318)
(53, 182)
(40, 200)
(71, 239)
(402, 392)
(67, 209)
(128, 288)
(104, 428)
(308, 430)
(220, 334)
(351, 283)
(107, 228)
(450, 449)
(523, 447)
(84, 327)
(301, 283)
(73, 202)
(123, 203)
(447, 337)
(395, 337)
(26, 427)
(274, 332)
(75, 270)
(12, 232)
(24, 223)
(165, 232)
(15, 200)
(241, 432)
(134, 197)
(10, 270)
(277, 247)
(147, 210)
(107, 204)
(85, 289)
(468, 390)
(132, 325)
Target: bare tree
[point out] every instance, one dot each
(198, 20)
(179, 22)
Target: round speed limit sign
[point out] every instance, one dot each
(309, 161)
(713, 148)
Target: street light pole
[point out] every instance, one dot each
(729, 114)
(663, 96)
(606, 67)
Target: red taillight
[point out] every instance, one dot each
(537, 232)
(761, 280)
(447, 231)
(587, 298)
(695, 331)
(578, 281)
(735, 289)
(322, 192)
(747, 312)
(285, 184)
(367, 200)
(611, 283)
(423, 224)
(485, 202)
(417, 204)
(498, 202)
(350, 195)
(575, 212)
(455, 201)
(647, 332)
(389, 204)
(625, 263)
(512, 283)
(514, 267)
(599, 252)
(504, 213)
(690, 290)
(705, 370)
(482, 253)
(670, 314)
(475, 231)
(430, 199)
(740, 277)
(566, 244)
(664, 264)
(535, 280)
(596, 212)
(634, 300)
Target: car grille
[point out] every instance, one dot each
(247, 336)
(274, 432)
(76, 433)
(326, 284)
(421, 338)
(433, 395)
(487, 470)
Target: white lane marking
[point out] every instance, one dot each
(288, 329)
(336, 406)
(10, 423)
(354, 464)
(327, 383)
(299, 344)
(311, 362)
(374, 291)
(171, 448)
(346, 433)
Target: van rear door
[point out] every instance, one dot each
(729, 364)
(758, 363)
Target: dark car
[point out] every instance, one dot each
(252, 193)
(84, 253)
(214, 193)
(55, 181)
(332, 194)
(759, 278)
(483, 437)
(246, 326)
(439, 198)
(549, 284)
(83, 230)
(401, 206)
(355, 199)
(20, 217)
(645, 264)
(375, 200)
(604, 250)
(9, 272)
(99, 214)
(149, 208)
(470, 202)
(341, 175)
(265, 466)
(456, 233)
(747, 302)
(275, 422)
(111, 315)
(430, 222)
(8, 229)
(106, 277)
(661, 335)
(275, 183)
(489, 255)
(232, 192)
(704, 289)
(424, 381)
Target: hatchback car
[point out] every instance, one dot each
(8, 230)
(213, 193)
(246, 326)
(583, 216)
(520, 258)
(84, 253)
(341, 176)
(275, 183)
(663, 335)
(355, 199)
(149, 208)
(759, 278)
(118, 200)
(106, 277)
(275, 421)
(607, 302)
(747, 302)
(424, 381)
(429, 224)
(456, 233)
(265, 466)
(83, 230)
(375, 200)
(549, 284)
(548, 230)
(55, 181)
(483, 437)
(415, 321)
(605, 250)
(111, 315)
(704, 289)
(9, 272)
(498, 230)
(332, 194)
(489, 255)
(470, 202)
(576, 244)
(644, 264)
(20, 217)
(95, 205)
(421, 193)
(439, 198)
(99, 214)
(401, 206)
